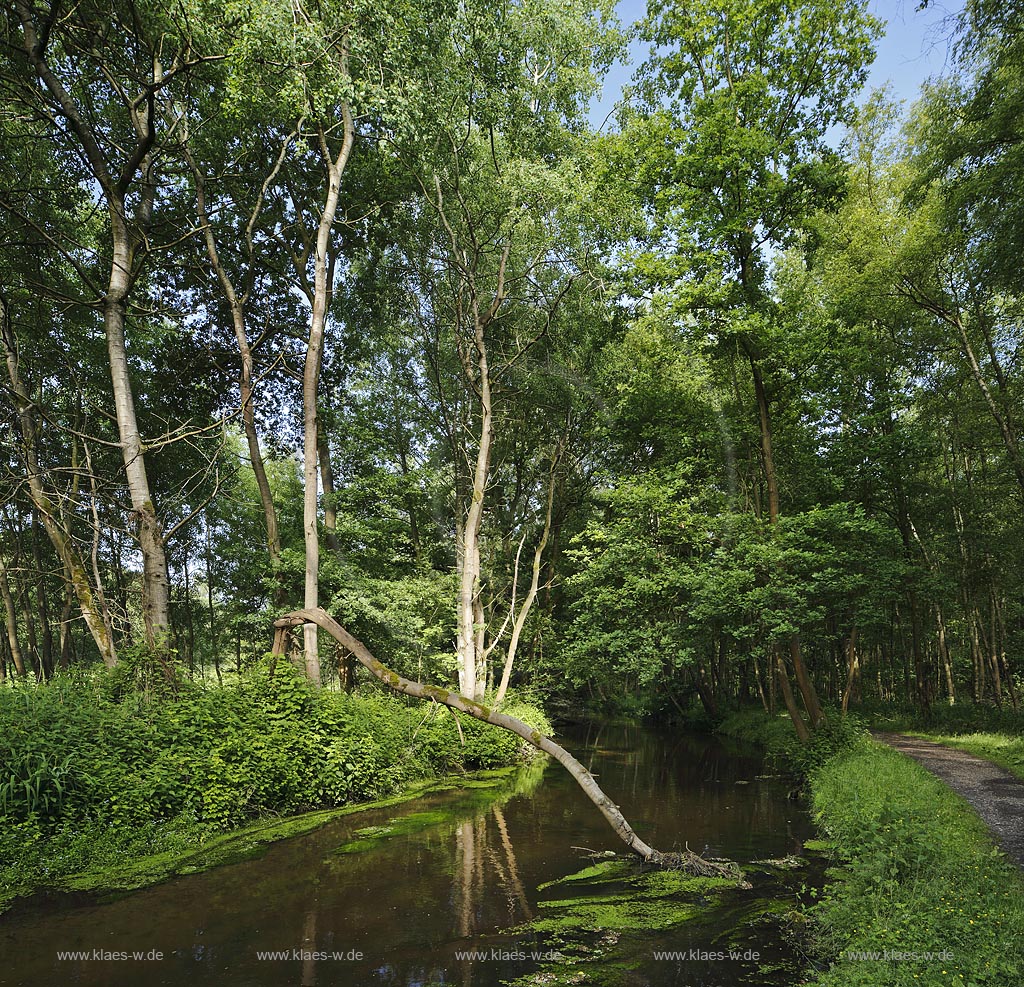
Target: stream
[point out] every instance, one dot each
(398, 896)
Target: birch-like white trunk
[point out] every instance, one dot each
(311, 383)
(155, 581)
(469, 652)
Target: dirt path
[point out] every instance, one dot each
(997, 795)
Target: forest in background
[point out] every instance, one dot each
(349, 306)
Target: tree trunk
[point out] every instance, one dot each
(803, 680)
(136, 162)
(155, 579)
(402, 453)
(520, 620)
(66, 642)
(90, 598)
(43, 600)
(464, 704)
(1007, 674)
(327, 479)
(1003, 420)
(335, 166)
(469, 577)
(852, 667)
(760, 684)
(764, 422)
(947, 665)
(782, 674)
(11, 616)
(704, 691)
(922, 685)
(236, 304)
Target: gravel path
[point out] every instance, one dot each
(997, 795)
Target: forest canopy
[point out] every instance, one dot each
(350, 305)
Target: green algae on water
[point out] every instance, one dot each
(612, 908)
(605, 870)
(414, 822)
(250, 841)
(618, 912)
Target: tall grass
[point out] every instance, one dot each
(920, 876)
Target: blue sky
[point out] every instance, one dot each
(912, 49)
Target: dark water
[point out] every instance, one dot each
(461, 877)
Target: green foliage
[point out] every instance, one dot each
(736, 101)
(85, 758)
(663, 570)
(36, 784)
(920, 875)
(943, 719)
(775, 733)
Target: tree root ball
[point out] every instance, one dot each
(698, 866)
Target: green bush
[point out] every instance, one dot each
(87, 756)
(777, 735)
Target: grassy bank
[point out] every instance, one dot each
(992, 733)
(916, 872)
(1004, 749)
(920, 875)
(97, 775)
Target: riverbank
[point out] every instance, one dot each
(112, 791)
(483, 885)
(920, 894)
(995, 794)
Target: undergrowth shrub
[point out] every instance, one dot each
(778, 736)
(90, 752)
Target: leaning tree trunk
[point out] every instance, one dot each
(90, 599)
(686, 860)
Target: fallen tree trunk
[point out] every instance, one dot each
(687, 860)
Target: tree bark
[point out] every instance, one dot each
(11, 617)
(524, 612)
(236, 305)
(764, 421)
(327, 479)
(469, 578)
(782, 674)
(803, 679)
(155, 595)
(1004, 421)
(464, 704)
(947, 665)
(90, 598)
(335, 166)
(155, 579)
(852, 667)
(806, 686)
(43, 600)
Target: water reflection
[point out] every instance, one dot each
(465, 867)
